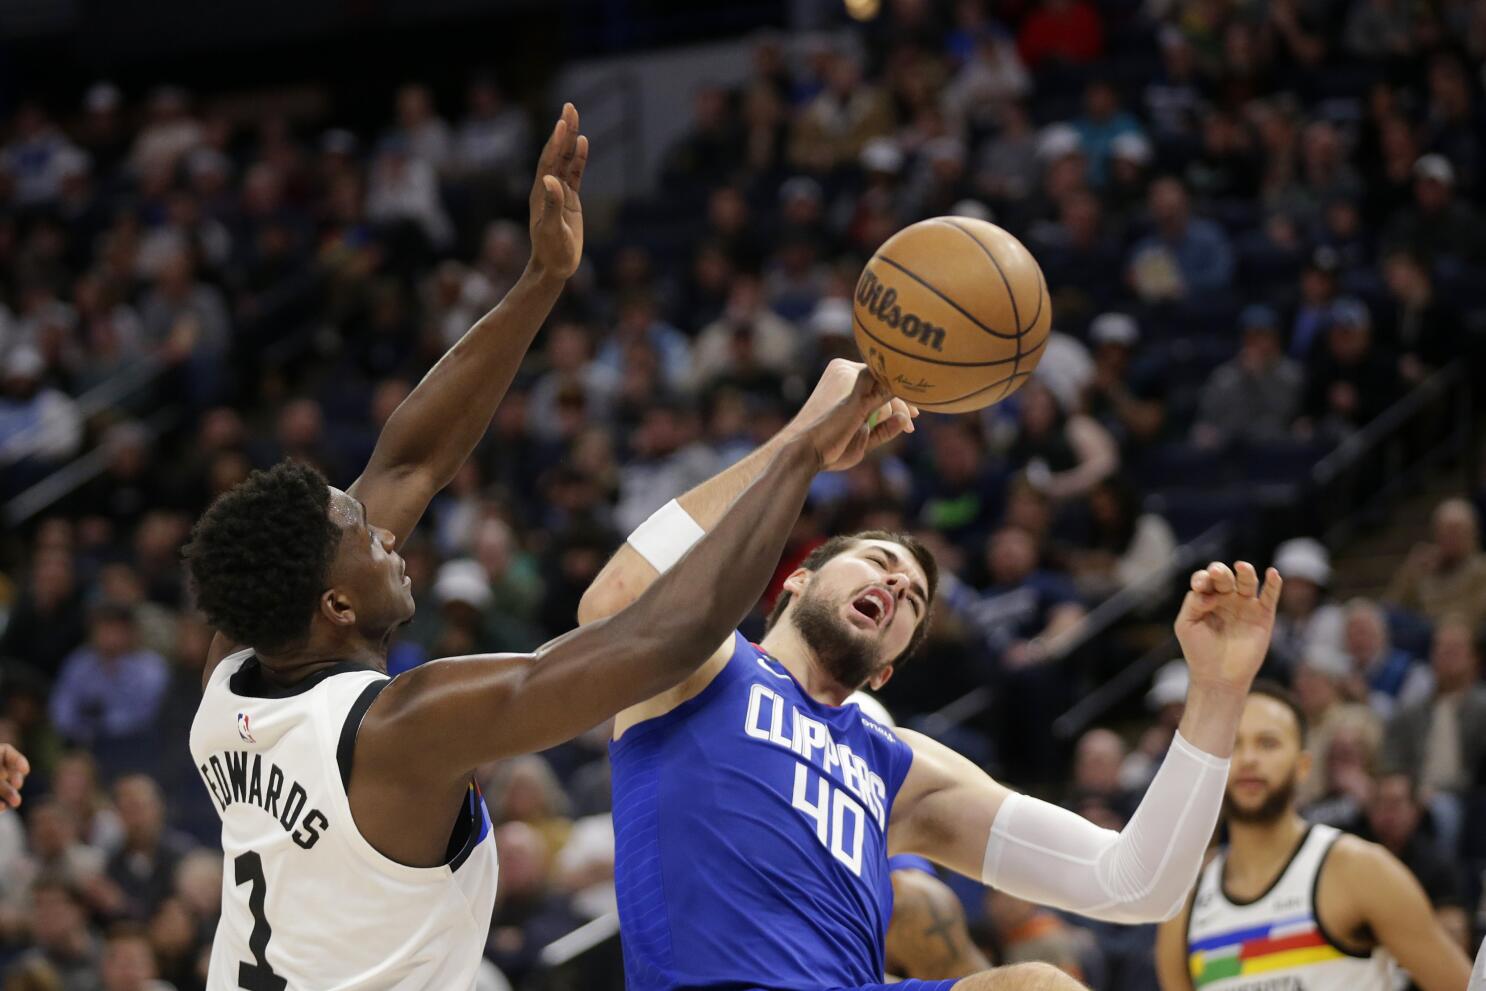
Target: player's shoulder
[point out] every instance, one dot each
(1361, 864)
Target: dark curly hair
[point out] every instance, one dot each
(840, 545)
(260, 556)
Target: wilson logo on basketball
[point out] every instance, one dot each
(881, 301)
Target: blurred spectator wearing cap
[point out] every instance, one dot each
(169, 132)
(1128, 399)
(1320, 683)
(1103, 122)
(1425, 333)
(38, 424)
(1306, 622)
(1438, 224)
(1253, 398)
(109, 691)
(1446, 576)
(1184, 257)
(1350, 379)
(1384, 676)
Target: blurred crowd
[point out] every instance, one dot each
(1259, 226)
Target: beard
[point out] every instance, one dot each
(1275, 804)
(847, 656)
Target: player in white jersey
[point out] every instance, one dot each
(358, 851)
(1288, 906)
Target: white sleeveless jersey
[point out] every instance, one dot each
(1276, 942)
(307, 903)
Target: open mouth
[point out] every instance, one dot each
(875, 605)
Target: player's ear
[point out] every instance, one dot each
(336, 607)
(880, 678)
(797, 580)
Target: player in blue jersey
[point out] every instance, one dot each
(754, 812)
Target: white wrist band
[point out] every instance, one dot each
(666, 536)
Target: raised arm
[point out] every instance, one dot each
(628, 574)
(952, 812)
(431, 434)
(442, 719)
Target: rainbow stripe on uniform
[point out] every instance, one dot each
(1280, 945)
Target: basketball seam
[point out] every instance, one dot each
(974, 392)
(935, 361)
(1016, 313)
(956, 306)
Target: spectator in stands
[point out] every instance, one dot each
(528, 915)
(749, 342)
(1252, 399)
(1384, 676)
(186, 321)
(1103, 122)
(1438, 225)
(669, 459)
(1320, 681)
(1061, 32)
(1306, 621)
(1348, 763)
(1350, 379)
(109, 691)
(144, 867)
(1125, 546)
(832, 129)
(1066, 452)
(49, 619)
(129, 962)
(1097, 761)
(639, 323)
(526, 790)
(39, 425)
(570, 364)
(709, 148)
(59, 927)
(961, 497)
(1024, 932)
(1424, 333)
(37, 157)
(1024, 606)
(1440, 742)
(494, 138)
(1187, 257)
(1446, 576)
(1128, 400)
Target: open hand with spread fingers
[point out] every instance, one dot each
(1225, 623)
(13, 770)
(556, 223)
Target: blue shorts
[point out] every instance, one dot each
(906, 986)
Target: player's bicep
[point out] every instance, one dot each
(1171, 952)
(1398, 912)
(945, 807)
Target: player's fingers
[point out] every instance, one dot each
(1246, 579)
(9, 796)
(580, 162)
(569, 145)
(1201, 582)
(1270, 595)
(547, 160)
(1221, 576)
(903, 413)
(551, 194)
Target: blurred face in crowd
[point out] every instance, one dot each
(1315, 689)
(112, 637)
(128, 964)
(1096, 766)
(1366, 633)
(957, 453)
(1456, 533)
(1452, 655)
(1392, 812)
(52, 831)
(51, 578)
(1013, 556)
(1349, 342)
(141, 809)
(1259, 350)
(1168, 204)
(859, 610)
(1267, 762)
(57, 921)
(1100, 101)
(523, 861)
(1039, 409)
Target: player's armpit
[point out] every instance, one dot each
(945, 808)
(927, 938)
(1171, 952)
(1394, 906)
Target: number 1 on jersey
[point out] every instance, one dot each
(258, 975)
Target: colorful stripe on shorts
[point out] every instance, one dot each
(1279, 945)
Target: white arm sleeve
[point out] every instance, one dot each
(1046, 854)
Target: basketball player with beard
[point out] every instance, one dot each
(1289, 906)
(755, 812)
(13, 770)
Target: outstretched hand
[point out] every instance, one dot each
(13, 770)
(891, 418)
(1225, 623)
(556, 224)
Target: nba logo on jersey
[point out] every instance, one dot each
(242, 728)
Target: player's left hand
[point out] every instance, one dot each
(556, 224)
(1225, 623)
(890, 420)
(13, 770)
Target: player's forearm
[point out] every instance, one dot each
(441, 421)
(627, 574)
(1210, 719)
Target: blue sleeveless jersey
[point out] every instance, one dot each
(750, 831)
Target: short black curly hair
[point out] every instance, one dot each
(260, 555)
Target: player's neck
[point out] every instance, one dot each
(1262, 845)
(320, 651)
(785, 645)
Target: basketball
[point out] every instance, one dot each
(952, 314)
